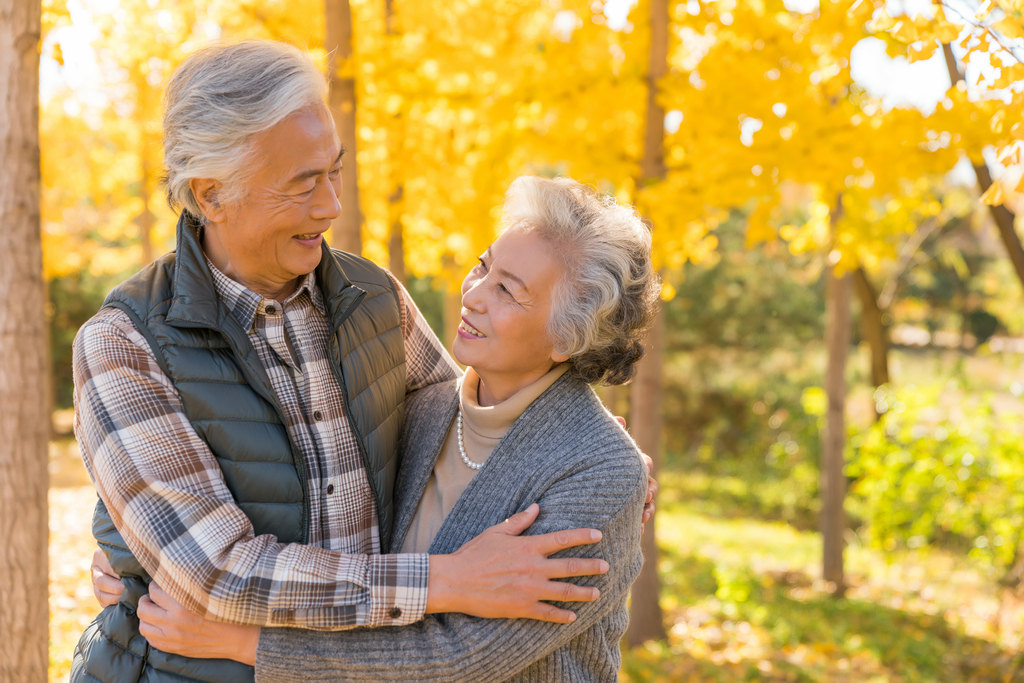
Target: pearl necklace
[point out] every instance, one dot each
(462, 447)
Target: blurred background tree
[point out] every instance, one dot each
(752, 134)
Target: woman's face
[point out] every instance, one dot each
(506, 302)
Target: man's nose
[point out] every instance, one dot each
(326, 204)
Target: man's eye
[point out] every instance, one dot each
(334, 174)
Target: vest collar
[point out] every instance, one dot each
(194, 301)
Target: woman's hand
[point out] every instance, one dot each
(170, 627)
(500, 574)
(106, 585)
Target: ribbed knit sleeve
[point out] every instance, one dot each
(603, 490)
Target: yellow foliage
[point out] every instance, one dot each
(457, 99)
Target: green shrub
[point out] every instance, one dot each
(937, 470)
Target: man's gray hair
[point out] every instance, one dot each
(218, 99)
(608, 292)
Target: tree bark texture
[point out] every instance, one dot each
(347, 227)
(646, 621)
(146, 218)
(1003, 217)
(833, 481)
(396, 142)
(872, 327)
(645, 422)
(24, 420)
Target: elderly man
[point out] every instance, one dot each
(239, 401)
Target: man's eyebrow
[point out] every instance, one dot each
(310, 172)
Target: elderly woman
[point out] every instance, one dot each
(239, 402)
(558, 302)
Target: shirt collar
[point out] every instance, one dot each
(245, 304)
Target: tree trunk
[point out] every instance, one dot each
(1004, 220)
(872, 327)
(645, 619)
(396, 244)
(24, 420)
(396, 143)
(1003, 217)
(146, 218)
(833, 481)
(341, 71)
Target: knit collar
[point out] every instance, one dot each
(492, 422)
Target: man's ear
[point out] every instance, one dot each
(559, 357)
(206, 191)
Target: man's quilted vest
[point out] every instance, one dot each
(233, 408)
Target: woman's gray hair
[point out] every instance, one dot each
(217, 100)
(608, 292)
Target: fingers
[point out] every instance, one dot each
(621, 420)
(649, 462)
(648, 512)
(158, 596)
(566, 567)
(100, 561)
(521, 521)
(543, 611)
(106, 585)
(548, 544)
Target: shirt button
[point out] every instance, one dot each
(395, 612)
(317, 415)
(330, 489)
(271, 310)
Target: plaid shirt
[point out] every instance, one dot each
(153, 472)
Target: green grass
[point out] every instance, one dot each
(743, 603)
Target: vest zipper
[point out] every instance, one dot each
(336, 367)
(297, 459)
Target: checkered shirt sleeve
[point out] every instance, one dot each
(167, 496)
(426, 360)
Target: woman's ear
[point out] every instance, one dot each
(206, 190)
(559, 357)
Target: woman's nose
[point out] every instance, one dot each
(472, 295)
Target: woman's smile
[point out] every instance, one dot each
(467, 331)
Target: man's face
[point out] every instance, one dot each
(273, 235)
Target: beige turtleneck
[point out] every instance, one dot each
(482, 430)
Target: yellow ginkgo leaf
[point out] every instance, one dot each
(994, 195)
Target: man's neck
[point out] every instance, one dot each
(220, 257)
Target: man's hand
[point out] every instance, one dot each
(500, 574)
(652, 489)
(652, 483)
(170, 627)
(106, 585)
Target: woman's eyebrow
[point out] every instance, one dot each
(514, 278)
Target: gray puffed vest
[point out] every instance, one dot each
(232, 406)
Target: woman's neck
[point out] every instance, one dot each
(497, 388)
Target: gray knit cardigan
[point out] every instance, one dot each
(567, 454)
